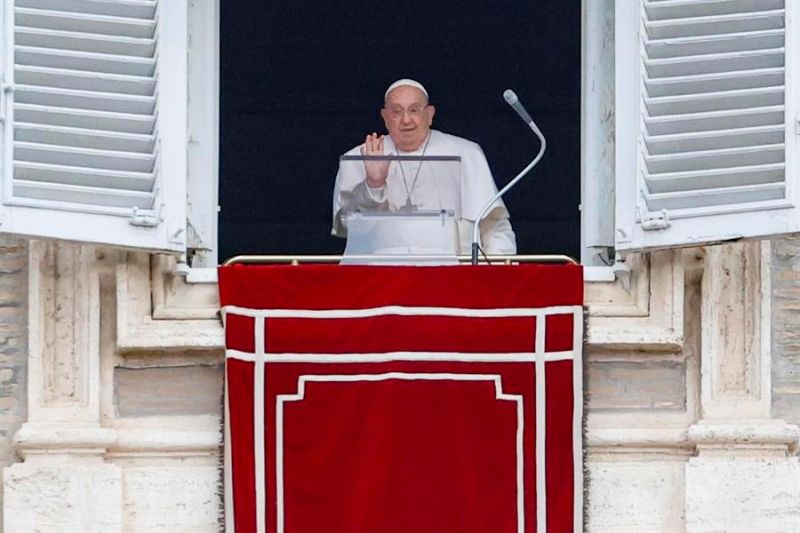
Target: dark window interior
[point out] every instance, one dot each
(302, 82)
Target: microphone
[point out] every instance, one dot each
(512, 100)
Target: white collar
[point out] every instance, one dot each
(417, 151)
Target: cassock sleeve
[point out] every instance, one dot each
(497, 236)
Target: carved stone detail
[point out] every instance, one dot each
(158, 311)
(648, 316)
(734, 356)
(63, 337)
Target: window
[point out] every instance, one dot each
(94, 107)
(302, 83)
(706, 98)
(110, 113)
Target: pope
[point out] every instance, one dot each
(381, 185)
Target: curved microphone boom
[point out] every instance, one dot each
(512, 99)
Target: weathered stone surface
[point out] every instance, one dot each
(177, 496)
(63, 498)
(742, 495)
(786, 329)
(13, 345)
(635, 496)
(626, 386)
(166, 391)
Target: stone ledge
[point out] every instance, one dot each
(49, 438)
(766, 434)
(188, 442)
(61, 439)
(669, 440)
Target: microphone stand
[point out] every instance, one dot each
(512, 100)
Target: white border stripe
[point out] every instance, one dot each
(541, 458)
(499, 394)
(402, 311)
(259, 427)
(387, 357)
(577, 420)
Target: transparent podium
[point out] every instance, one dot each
(412, 220)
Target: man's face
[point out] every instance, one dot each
(408, 117)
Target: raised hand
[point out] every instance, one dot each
(377, 170)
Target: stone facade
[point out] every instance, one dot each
(688, 381)
(13, 343)
(786, 330)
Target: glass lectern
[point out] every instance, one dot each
(412, 219)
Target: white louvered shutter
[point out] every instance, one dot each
(706, 94)
(95, 129)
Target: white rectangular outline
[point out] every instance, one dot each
(260, 359)
(389, 357)
(281, 399)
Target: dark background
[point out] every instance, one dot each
(302, 82)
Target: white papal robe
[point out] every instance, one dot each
(351, 192)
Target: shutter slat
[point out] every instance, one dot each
(715, 140)
(87, 61)
(711, 63)
(48, 96)
(83, 138)
(714, 178)
(84, 22)
(721, 81)
(82, 195)
(710, 159)
(89, 177)
(88, 81)
(704, 102)
(716, 197)
(83, 118)
(121, 8)
(700, 8)
(85, 42)
(716, 24)
(715, 44)
(714, 120)
(83, 157)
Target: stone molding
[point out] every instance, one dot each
(649, 315)
(173, 326)
(157, 310)
(63, 342)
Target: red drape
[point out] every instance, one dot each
(404, 399)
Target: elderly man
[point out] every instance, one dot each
(384, 185)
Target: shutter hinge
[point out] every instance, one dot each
(146, 218)
(5, 88)
(655, 221)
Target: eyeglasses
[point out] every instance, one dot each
(415, 111)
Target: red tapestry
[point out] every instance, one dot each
(404, 399)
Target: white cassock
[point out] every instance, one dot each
(418, 178)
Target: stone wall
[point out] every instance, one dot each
(786, 330)
(13, 345)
